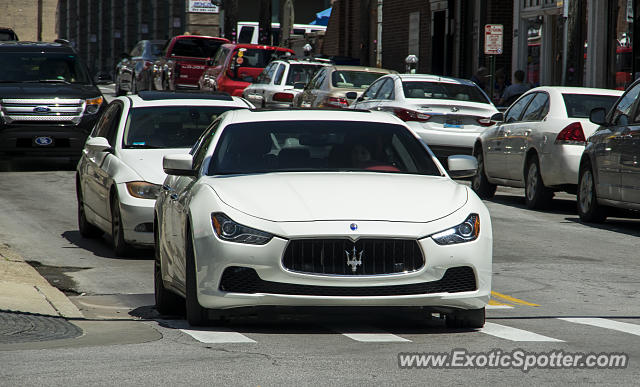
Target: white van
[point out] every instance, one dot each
(248, 31)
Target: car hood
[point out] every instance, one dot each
(48, 90)
(320, 196)
(147, 163)
(443, 106)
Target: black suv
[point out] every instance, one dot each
(48, 101)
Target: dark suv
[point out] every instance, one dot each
(48, 101)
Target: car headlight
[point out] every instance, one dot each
(464, 232)
(93, 104)
(143, 190)
(228, 230)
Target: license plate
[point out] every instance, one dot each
(43, 141)
(453, 124)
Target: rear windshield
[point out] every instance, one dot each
(5, 35)
(580, 105)
(42, 67)
(439, 90)
(319, 146)
(196, 47)
(354, 79)
(168, 126)
(256, 57)
(301, 73)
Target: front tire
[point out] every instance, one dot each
(120, 246)
(480, 183)
(196, 314)
(466, 319)
(588, 208)
(536, 195)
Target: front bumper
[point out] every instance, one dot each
(214, 258)
(19, 140)
(137, 218)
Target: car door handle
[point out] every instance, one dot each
(507, 132)
(527, 132)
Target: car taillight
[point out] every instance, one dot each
(283, 97)
(411, 115)
(337, 102)
(485, 121)
(572, 134)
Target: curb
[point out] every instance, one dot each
(23, 289)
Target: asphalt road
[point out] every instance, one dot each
(547, 266)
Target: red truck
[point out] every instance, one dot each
(183, 61)
(236, 66)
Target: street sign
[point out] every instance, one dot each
(203, 6)
(493, 39)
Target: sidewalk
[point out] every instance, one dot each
(23, 289)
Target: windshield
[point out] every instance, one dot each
(354, 79)
(42, 67)
(319, 146)
(196, 47)
(440, 90)
(301, 73)
(168, 126)
(580, 105)
(156, 49)
(258, 58)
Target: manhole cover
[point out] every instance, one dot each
(24, 328)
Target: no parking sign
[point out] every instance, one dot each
(493, 39)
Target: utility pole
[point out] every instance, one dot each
(286, 17)
(229, 16)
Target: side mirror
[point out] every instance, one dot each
(462, 166)
(178, 165)
(98, 144)
(299, 85)
(497, 117)
(351, 95)
(598, 116)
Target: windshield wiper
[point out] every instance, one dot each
(49, 81)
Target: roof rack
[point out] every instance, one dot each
(160, 95)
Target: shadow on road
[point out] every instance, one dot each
(102, 247)
(38, 164)
(557, 206)
(629, 226)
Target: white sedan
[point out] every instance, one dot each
(305, 208)
(119, 173)
(447, 113)
(538, 142)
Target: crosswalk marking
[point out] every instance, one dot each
(605, 323)
(514, 334)
(375, 337)
(213, 337)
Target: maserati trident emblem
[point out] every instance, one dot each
(352, 261)
(454, 109)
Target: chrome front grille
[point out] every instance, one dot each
(54, 110)
(347, 258)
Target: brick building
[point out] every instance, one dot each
(445, 35)
(31, 20)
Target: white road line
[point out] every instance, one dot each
(375, 337)
(633, 329)
(499, 306)
(212, 337)
(514, 334)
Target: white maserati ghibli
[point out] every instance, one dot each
(319, 208)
